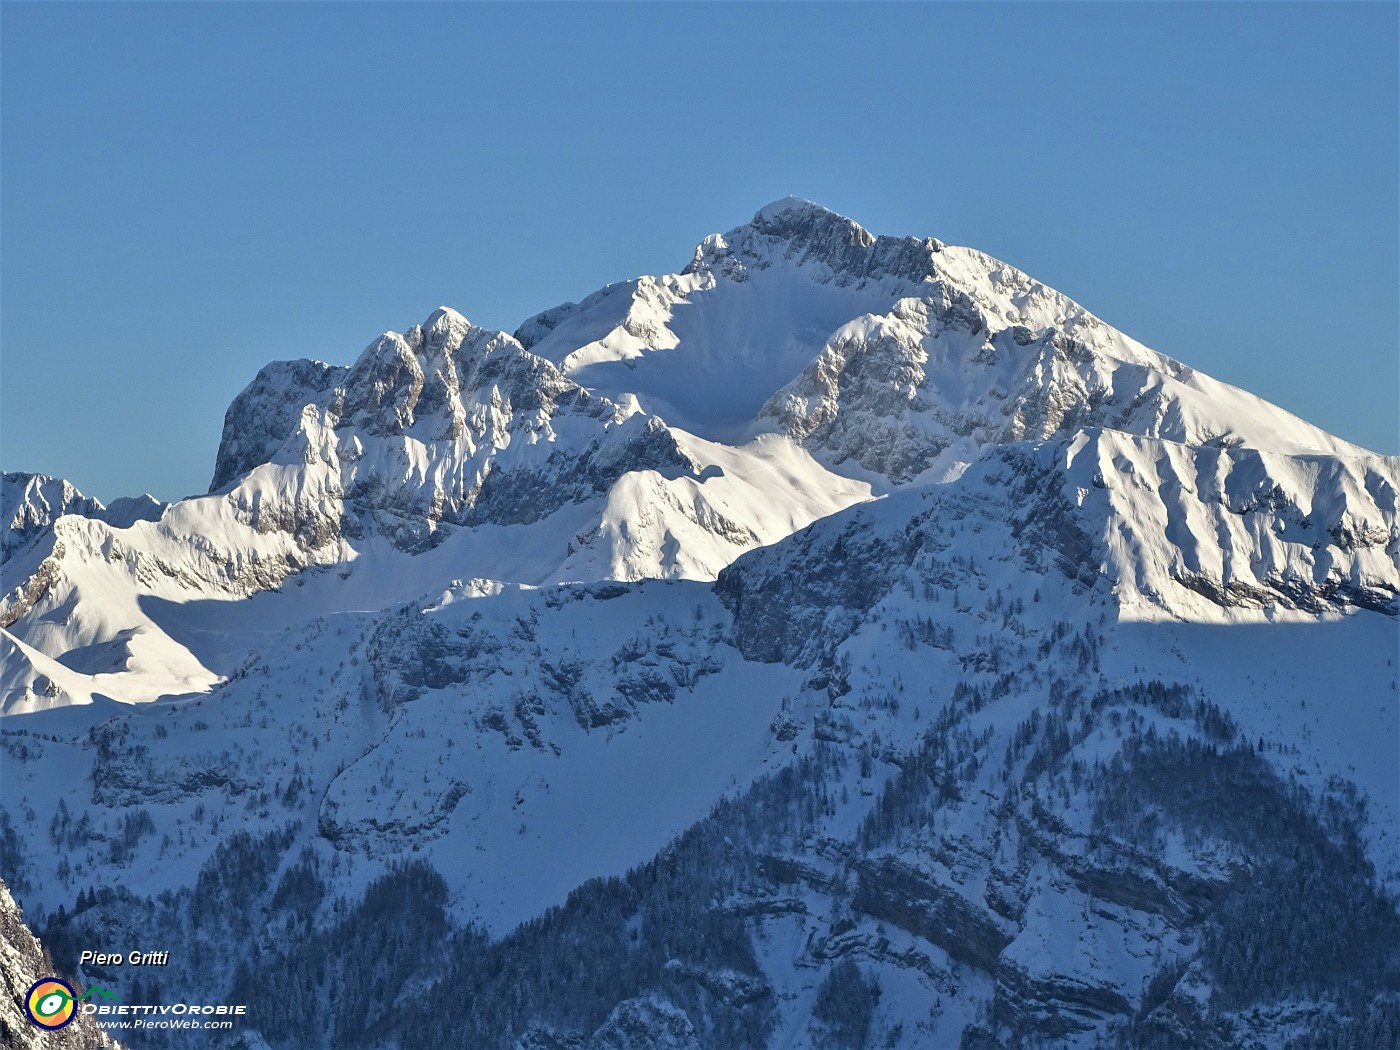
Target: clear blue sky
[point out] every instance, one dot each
(190, 191)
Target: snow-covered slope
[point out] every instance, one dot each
(452, 425)
(896, 355)
(845, 641)
(1154, 530)
(422, 458)
(663, 427)
(520, 741)
(31, 503)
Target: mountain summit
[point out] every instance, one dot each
(846, 640)
(664, 426)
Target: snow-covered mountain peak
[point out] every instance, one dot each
(664, 426)
(805, 224)
(446, 320)
(706, 347)
(891, 359)
(427, 381)
(833, 247)
(785, 207)
(30, 504)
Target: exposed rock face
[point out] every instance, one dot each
(267, 412)
(799, 232)
(23, 961)
(899, 894)
(645, 1024)
(1171, 530)
(447, 423)
(650, 1023)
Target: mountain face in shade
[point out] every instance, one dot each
(843, 641)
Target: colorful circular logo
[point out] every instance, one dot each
(51, 1003)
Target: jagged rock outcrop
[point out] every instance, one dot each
(23, 961)
(31, 503)
(446, 424)
(267, 411)
(799, 232)
(1168, 530)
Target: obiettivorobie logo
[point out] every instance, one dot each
(51, 1002)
